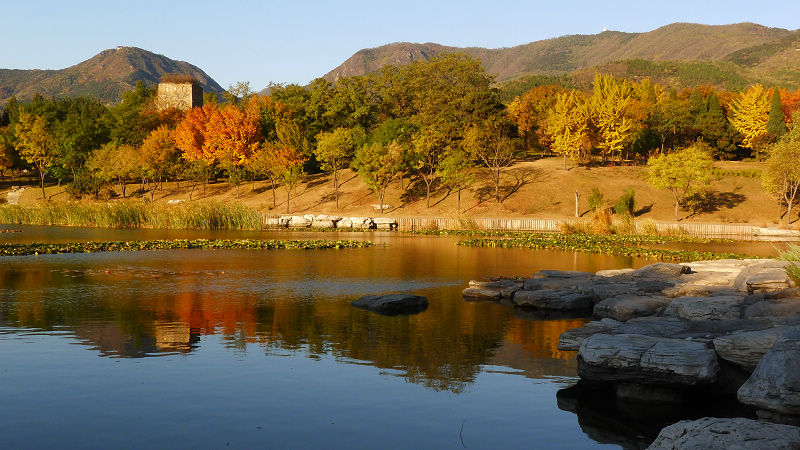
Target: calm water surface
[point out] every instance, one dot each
(210, 349)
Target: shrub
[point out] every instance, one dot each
(793, 270)
(648, 227)
(626, 203)
(596, 199)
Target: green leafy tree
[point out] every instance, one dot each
(776, 124)
(335, 150)
(112, 161)
(781, 175)
(456, 172)
(670, 119)
(715, 130)
(683, 173)
(36, 144)
(378, 165)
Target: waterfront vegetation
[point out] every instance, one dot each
(37, 248)
(136, 214)
(641, 246)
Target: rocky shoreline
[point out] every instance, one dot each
(666, 334)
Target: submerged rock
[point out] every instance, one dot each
(392, 304)
(643, 359)
(725, 434)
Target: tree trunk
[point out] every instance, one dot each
(288, 197)
(497, 186)
(458, 203)
(274, 196)
(677, 204)
(788, 212)
(381, 194)
(577, 203)
(565, 161)
(41, 175)
(427, 193)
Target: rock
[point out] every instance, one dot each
(755, 268)
(480, 293)
(299, 222)
(662, 271)
(571, 274)
(572, 339)
(614, 272)
(652, 285)
(626, 307)
(273, 222)
(392, 304)
(535, 284)
(506, 287)
(784, 308)
(775, 383)
(385, 223)
(325, 221)
(769, 281)
(745, 348)
(783, 293)
(699, 290)
(358, 223)
(636, 358)
(602, 291)
(706, 308)
(553, 299)
(711, 433)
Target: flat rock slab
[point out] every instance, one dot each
(535, 284)
(647, 360)
(571, 274)
(662, 271)
(711, 433)
(553, 299)
(706, 308)
(782, 307)
(775, 383)
(746, 348)
(392, 304)
(626, 307)
(481, 293)
(506, 287)
(571, 340)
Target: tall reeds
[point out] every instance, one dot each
(195, 215)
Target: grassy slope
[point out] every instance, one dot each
(545, 190)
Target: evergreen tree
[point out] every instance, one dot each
(776, 127)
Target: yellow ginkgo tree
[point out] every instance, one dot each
(750, 114)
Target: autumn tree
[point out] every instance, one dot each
(683, 173)
(335, 150)
(287, 166)
(112, 161)
(609, 107)
(491, 143)
(750, 114)
(378, 165)
(159, 154)
(36, 144)
(529, 113)
(781, 175)
(567, 127)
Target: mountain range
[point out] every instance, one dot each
(105, 76)
(677, 54)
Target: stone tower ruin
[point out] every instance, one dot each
(181, 92)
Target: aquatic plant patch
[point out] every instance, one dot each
(176, 244)
(634, 246)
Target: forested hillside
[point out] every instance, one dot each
(104, 77)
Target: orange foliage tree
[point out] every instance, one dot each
(530, 112)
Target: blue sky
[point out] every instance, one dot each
(296, 41)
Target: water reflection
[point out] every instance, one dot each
(133, 305)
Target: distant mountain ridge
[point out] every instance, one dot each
(105, 76)
(751, 50)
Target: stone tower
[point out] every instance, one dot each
(179, 92)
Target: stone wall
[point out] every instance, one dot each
(182, 96)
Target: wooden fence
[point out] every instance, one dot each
(553, 225)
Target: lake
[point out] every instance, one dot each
(222, 348)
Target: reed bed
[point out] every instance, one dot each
(136, 214)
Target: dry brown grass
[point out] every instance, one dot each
(535, 189)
